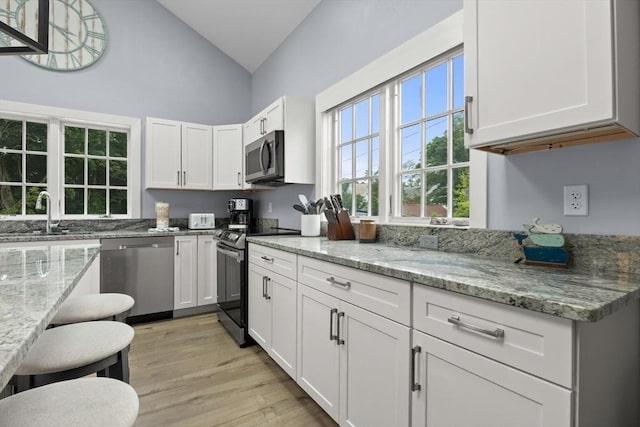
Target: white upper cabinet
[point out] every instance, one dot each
(228, 153)
(295, 116)
(268, 120)
(547, 74)
(178, 155)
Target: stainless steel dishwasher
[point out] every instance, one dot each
(143, 268)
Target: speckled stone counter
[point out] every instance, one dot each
(563, 293)
(34, 281)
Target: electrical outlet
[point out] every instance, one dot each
(270, 207)
(576, 200)
(428, 241)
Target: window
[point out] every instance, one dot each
(433, 166)
(358, 149)
(23, 165)
(88, 162)
(421, 168)
(95, 171)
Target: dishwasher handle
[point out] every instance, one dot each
(148, 245)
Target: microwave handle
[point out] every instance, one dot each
(262, 147)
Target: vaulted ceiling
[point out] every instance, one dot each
(246, 30)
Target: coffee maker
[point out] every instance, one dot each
(240, 214)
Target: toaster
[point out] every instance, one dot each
(202, 221)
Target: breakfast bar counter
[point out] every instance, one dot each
(34, 281)
(565, 293)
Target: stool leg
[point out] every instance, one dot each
(21, 383)
(120, 370)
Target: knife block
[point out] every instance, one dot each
(343, 230)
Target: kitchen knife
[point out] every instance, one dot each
(334, 202)
(327, 204)
(331, 216)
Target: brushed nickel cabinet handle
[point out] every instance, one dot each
(496, 333)
(267, 296)
(333, 281)
(467, 110)
(266, 259)
(184, 178)
(340, 339)
(264, 287)
(331, 334)
(415, 386)
(178, 181)
(239, 183)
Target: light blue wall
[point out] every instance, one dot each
(154, 66)
(336, 39)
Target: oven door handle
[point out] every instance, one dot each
(238, 256)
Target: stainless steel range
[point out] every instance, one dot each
(232, 281)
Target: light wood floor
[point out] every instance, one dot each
(189, 372)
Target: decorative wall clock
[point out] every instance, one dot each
(77, 32)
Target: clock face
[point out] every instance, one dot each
(77, 32)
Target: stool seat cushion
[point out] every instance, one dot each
(82, 402)
(75, 345)
(92, 307)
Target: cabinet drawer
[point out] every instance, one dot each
(534, 342)
(382, 295)
(275, 260)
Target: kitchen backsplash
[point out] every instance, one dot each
(587, 252)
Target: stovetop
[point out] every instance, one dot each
(237, 238)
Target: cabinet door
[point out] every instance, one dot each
(281, 293)
(228, 158)
(533, 67)
(318, 368)
(259, 315)
(197, 157)
(207, 270)
(162, 159)
(374, 370)
(274, 116)
(185, 272)
(254, 129)
(461, 388)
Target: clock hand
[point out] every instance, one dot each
(62, 30)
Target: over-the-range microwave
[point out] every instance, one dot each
(264, 160)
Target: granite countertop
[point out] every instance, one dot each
(34, 281)
(564, 293)
(96, 235)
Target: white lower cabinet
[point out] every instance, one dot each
(272, 312)
(484, 364)
(207, 270)
(194, 271)
(456, 387)
(352, 362)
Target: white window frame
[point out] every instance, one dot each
(437, 40)
(56, 119)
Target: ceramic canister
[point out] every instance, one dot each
(162, 215)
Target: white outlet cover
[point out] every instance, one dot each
(576, 200)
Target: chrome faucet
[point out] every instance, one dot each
(50, 224)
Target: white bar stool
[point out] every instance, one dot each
(96, 402)
(75, 350)
(85, 308)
